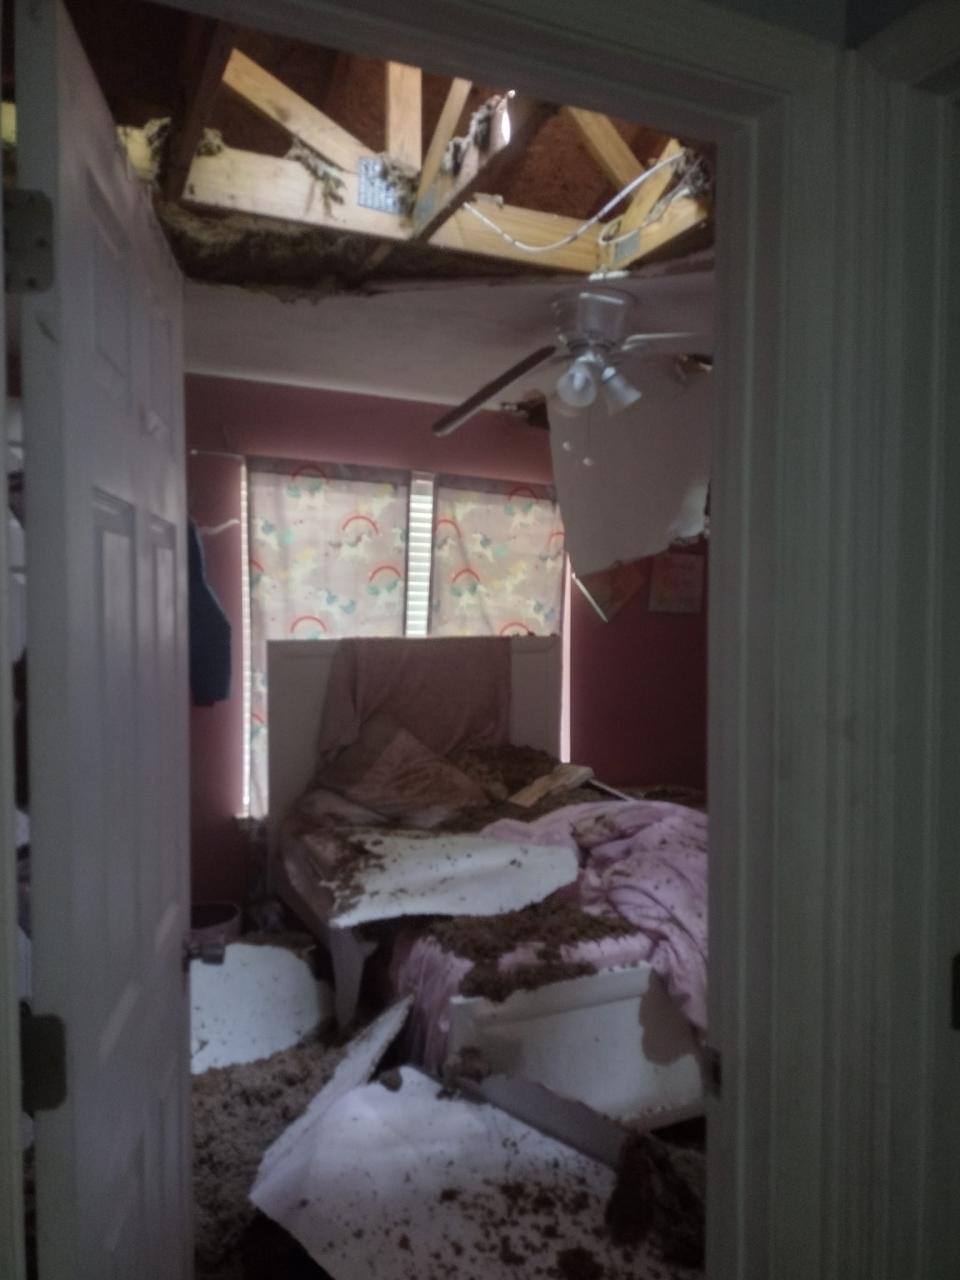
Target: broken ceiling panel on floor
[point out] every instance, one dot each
(260, 1000)
(408, 1185)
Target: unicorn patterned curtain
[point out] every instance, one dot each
(497, 561)
(327, 559)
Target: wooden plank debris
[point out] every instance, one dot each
(565, 777)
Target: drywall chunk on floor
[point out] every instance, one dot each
(260, 1000)
(399, 1185)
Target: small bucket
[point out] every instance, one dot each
(214, 922)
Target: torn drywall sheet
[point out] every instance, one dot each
(260, 1000)
(355, 1068)
(631, 484)
(407, 1185)
(412, 873)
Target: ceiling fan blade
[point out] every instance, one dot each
(638, 339)
(458, 416)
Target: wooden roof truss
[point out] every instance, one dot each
(327, 177)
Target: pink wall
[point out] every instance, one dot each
(638, 693)
(638, 683)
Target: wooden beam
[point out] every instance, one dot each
(480, 170)
(207, 46)
(465, 232)
(277, 187)
(404, 115)
(452, 110)
(272, 187)
(606, 145)
(301, 119)
(679, 217)
(647, 195)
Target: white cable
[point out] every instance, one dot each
(628, 190)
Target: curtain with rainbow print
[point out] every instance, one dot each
(327, 559)
(498, 560)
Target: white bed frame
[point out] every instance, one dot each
(556, 1035)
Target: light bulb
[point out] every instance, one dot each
(578, 386)
(618, 393)
(506, 131)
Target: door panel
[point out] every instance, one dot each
(106, 580)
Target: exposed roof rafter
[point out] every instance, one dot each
(480, 169)
(607, 147)
(404, 115)
(300, 118)
(207, 47)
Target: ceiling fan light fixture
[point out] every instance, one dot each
(577, 387)
(618, 392)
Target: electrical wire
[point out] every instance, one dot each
(628, 190)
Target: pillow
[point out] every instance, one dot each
(390, 771)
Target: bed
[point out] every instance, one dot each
(605, 997)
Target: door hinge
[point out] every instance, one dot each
(43, 1061)
(712, 1072)
(27, 241)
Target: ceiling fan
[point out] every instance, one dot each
(592, 341)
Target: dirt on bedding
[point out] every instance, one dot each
(550, 926)
(238, 1112)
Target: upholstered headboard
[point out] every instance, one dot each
(297, 675)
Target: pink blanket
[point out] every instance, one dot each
(644, 860)
(450, 692)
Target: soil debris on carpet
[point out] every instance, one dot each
(238, 1112)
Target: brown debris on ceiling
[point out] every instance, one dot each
(142, 54)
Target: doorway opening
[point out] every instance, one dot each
(323, 348)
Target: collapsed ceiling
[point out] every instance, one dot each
(282, 164)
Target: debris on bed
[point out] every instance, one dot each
(262, 999)
(560, 782)
(403, 1185)
(550, 927)
(381, 874)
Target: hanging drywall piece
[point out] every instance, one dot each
(649, 467)
(260, 1000)
(403, 1184)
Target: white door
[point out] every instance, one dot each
(107, 603)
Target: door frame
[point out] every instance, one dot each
(825, 419)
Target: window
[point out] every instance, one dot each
(327, 559)
(345, 551)
(498, 561)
